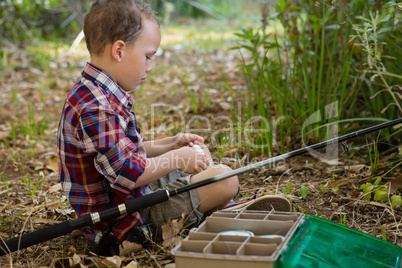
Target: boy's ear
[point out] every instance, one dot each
(117, 50)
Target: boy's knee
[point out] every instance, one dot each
(231, 184)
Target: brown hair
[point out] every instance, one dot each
(112, 20)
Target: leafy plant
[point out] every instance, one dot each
(287, 189)
(396, 200)
(381, 194)
(323, 188)
(367, 190)
(368, 34)
(335, 190)
(303, 192)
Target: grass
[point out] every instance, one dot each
(27, 182)
(4, 179)
(28, 126)
(200, 34)
(374, 154)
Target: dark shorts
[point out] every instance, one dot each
(187, 202)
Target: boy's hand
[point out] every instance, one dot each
(190, 161)
(187, 139)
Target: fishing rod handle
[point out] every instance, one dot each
(67, 227)
(36, 237)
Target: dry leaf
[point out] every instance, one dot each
(129, 247)
(396, 185)
(358, 168)
(76, 233)
(341, 182)
(52, 165)
(132, 264)
(75, 260)
(64, 211)
(170, 231)
(114, 261)
(55, 188)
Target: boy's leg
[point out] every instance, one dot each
(187, 202)
(194, 203)
(218, 194)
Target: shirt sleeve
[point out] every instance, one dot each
(103, 132)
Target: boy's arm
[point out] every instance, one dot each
(185, 159)
(158, 147)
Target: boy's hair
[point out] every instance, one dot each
(112, 20)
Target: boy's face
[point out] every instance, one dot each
(136, 58)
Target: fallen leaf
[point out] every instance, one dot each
(55, 188)
(396, 185)
(170, 231)
(64, 211)
(132, 264)
(225, 105)
(75, 260)
(76, 233)
(52, 164)
(357, 168)
(114, 261)
(129, 247)
(341, 182)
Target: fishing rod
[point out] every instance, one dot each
(137, 204)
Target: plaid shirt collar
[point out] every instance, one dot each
(102, 79)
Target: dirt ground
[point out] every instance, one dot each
(30, 192)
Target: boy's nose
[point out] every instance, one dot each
(149, 67)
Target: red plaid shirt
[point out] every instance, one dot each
(100, 150)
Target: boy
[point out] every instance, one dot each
(103, 161)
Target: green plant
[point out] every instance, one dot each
(342, 219)
(396, 200)
(335, 190)
(287, 189)
(384, 235)
(29, 126)
(8, 224)
(307, 67)
(367, 190)
(374, 156)
(192, 94)
(27, 183)
(380, 192)
(368, 35)
(4, 179)
(303, 192)
(323, 188)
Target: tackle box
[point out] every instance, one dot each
(280, 240)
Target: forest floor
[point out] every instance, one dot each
(184, 84)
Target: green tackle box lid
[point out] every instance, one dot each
(321, 243)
